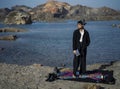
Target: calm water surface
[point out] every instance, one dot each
(51, 43)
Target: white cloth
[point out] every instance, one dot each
(82, 34)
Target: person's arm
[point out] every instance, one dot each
(88, 39)
(74, 42)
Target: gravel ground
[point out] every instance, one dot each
(33, 77)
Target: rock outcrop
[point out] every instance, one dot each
(18, 17)
(9, 37)
(10, 29)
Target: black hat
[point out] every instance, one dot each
(81, 22)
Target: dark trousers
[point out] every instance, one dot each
(80, 61)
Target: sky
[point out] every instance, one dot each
(115, 4)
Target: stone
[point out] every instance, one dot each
(11, 29)
(92, 86)
(18, 17)
(9, 37)
(37, 65)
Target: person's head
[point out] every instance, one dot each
(80, 24)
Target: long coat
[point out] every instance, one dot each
(76, 39)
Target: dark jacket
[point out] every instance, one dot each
(76, 38)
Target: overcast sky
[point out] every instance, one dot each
(115, 4)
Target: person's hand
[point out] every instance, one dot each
(74, 51)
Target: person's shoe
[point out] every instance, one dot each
(74, 76)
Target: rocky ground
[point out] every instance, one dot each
(14, 76)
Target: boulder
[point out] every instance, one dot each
(11, 29)
(92, 86)
(9, 37)
(18, 17)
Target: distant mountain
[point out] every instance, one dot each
(54, 10)
(57, 11)
(51, 11)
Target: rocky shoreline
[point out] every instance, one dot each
(14, 76)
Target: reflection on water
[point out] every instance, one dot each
(51, 44)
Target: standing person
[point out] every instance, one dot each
(81, 40)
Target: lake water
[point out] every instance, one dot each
(51, 43)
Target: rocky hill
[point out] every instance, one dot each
(50, 11)
(56, 11)
(53, 10)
